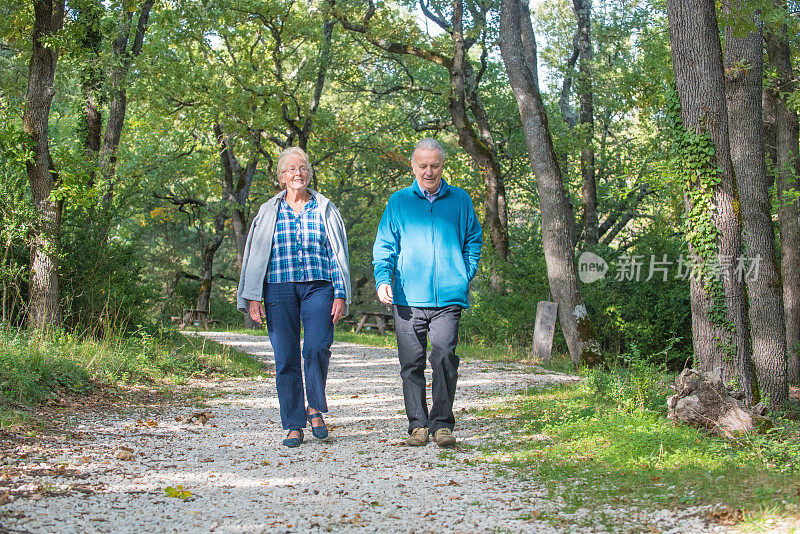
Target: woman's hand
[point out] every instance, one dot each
(337, 310)
(256, 310)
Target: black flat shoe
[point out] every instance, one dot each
(293, 442)
(319, 432)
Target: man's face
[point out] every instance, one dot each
(428, 167)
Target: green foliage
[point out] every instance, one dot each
(507, 316)
(103, 283)
(617, 306)
(30, 373)
(15, 210)
(696, 168)
(252, 66)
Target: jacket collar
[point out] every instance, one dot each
(321, 199)
(443, 189)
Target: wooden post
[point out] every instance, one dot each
(546, 315)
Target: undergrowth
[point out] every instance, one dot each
(35, 368)
(607, 440)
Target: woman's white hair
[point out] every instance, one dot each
(428, 143)
(288, 153)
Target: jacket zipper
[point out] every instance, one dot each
(435, 275)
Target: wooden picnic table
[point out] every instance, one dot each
(383, 321)
(192, 316)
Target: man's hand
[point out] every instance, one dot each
(385, 294)
(256, 310)
(337, 310)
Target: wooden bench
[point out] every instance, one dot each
(381, 320)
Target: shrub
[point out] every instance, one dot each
(36, 367)
(634, 383)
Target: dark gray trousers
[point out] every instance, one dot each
(413, 326)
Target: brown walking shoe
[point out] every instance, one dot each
(444, 437)
(418, 437)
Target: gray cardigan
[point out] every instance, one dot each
(258, 247)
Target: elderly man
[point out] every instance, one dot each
(426, 252)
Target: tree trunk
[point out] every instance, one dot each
(719, 315)
(518, 48)
(237, 181)
(88, 19)
(583, 11)
(744, 67)
(119, 93)
(207, 254)
(768, 112)
(474, 133)
(44, 307)
(206, 279)
(479, 145)
(787, 165)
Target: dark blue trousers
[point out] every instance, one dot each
(287, 305)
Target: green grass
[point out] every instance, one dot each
(592, 450)
(494, 353)
(37, 368)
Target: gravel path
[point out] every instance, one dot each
(111, 476)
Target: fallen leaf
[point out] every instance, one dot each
(177, 492)
(5, 498)
(200, 418)
(727, 516)
(125, 455)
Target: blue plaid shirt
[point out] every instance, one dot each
(300, 249)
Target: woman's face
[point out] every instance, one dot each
(296, 175)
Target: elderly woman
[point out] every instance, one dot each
(296, 261)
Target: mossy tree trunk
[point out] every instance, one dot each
(720, 331)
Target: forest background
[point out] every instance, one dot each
(138, 139)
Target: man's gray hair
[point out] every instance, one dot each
(428, 143)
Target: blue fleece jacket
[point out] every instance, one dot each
(428, 251)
